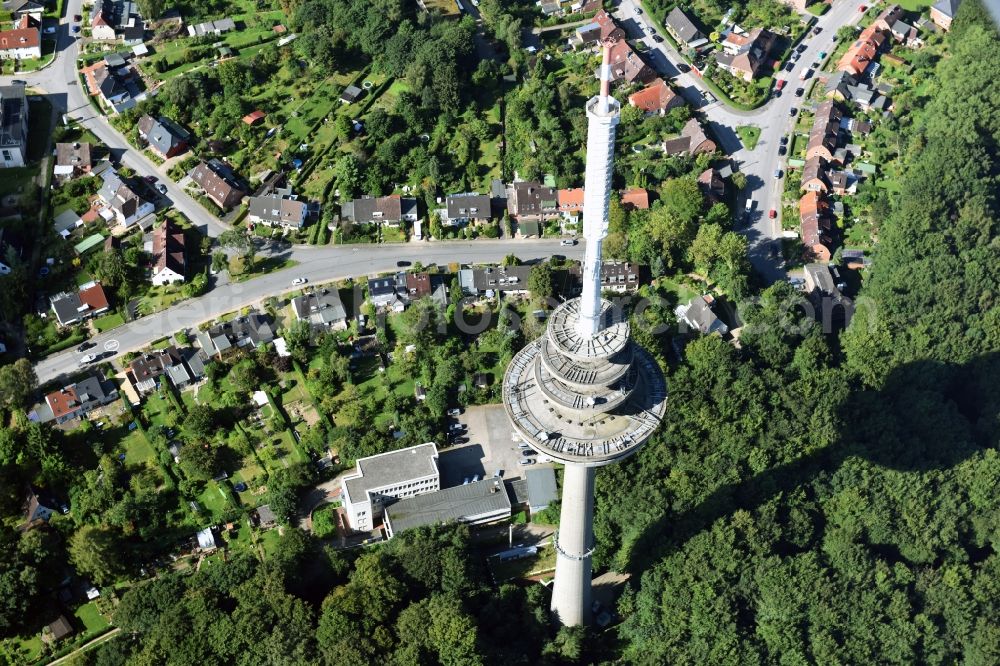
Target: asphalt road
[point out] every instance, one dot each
(316, 265)
(773, 118)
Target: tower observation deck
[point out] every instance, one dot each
(584, 393)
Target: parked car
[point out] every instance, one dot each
(149, 179)
(456, 427)
(568, 242)
(817, 30)
(51, 30)
(772, 213)
(454, 412)
(822, 54)
(792, 111)
(85, 346)
(863, 8)
(637, 10)
(779, 84)
(89, 358)
(77, 18)
(657, 38)
(799, 92)
(683, 67)
(402, 263)
(782, 150)
(300, 280)
(76, 28)
(777, 173)
(161, 188)
(526, 461)
(784, 139)
(749, 205)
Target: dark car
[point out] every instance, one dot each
(784, 139)
(683, 67)
(402, 263)
(792, 111)
(85, 346)
(799, 92)
(782, 150)
(77, 18)
(657, 39)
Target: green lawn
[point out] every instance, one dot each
(214, 500)
(749, 135)
(138, 450)
(90, 618)
(107, 322)
(543, 562)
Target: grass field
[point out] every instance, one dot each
(749, 135)
(90, 618)
(543, 562)
(107, 322)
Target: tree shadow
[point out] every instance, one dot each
(928, 416)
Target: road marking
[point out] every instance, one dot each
(111, 345)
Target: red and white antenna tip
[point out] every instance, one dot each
(606, 72)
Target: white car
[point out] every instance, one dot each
(568, 242)
(300, 280)
(89, 358)
(454, 412)
(526, 461)
(51, 30)
(637, 10)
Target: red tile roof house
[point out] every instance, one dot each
(219, 183)
(74, 308)
(20, 44)
(626, 65)
(889, 17)
(863, 51)
(254, 117)
(77, 399)
(635, 198)
(815, 225)
(168, 254)
(943, 13)
(814, 176)
(570, 200)
(711, 184)
(656, 98)
(825, 132)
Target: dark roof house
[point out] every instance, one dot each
(219, 183)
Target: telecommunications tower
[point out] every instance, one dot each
(584, 394)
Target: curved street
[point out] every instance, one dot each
(773, 119)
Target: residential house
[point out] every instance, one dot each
(163, 136)
(218, 27)
(635, 198)
(145, 370)
(888, 18)
(618, 276)
(266, 517)
(113, 87)
(691, 141)
(587, 34)
(744, 55)
(20, 44)
(467, 207)
(66, 221)
(389, 210)
(323, 309)
(814, 223)
(842, 182)
(18, 9)
(608, 29)
(907, 34)
(814, 176)
(570, 201)
(656, 99)
(219, 183)
(530, 200)
(824, 289)
(838, 85)
(72, 308)
(78, 399)
(388, 293)
(72, 160)
(169, 262)
(418, 285)
(251, 330)
(13, 126)
(697, 314)
(278, 208)
(628, 66)
(113, 19)
(943, 13)
(60, 628)
(38, 507)
(511, 280)
(825, 132)
(528, 229)
(711, 184)
(123, 203)
(683, 29)
(863, 52)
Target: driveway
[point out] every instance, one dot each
(490, 448)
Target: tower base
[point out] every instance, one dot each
(574, 544)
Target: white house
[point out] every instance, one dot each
(384, 478)
(20, 44)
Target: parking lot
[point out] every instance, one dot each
(489, 448)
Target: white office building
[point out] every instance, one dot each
(387, 477)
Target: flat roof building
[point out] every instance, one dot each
(384, 478)
(472, 503)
